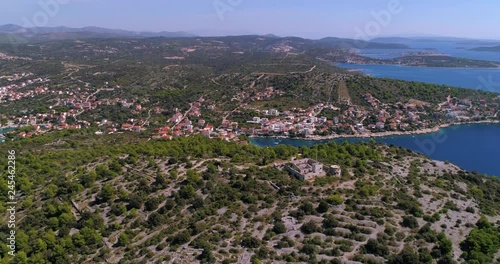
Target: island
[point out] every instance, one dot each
(420, 59)
(490, 49)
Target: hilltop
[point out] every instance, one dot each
(123, 199)
(48, 33)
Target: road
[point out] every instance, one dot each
(149, 116)
(183, 116)
(308, 71)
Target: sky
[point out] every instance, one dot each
(365, 19)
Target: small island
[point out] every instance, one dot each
(490, 49)
(422, 59)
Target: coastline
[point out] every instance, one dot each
(383, 134)
(421, 66)
(3, 130)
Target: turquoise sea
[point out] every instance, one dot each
(481, 79)
(474, 147)
(4, 130)
(457, 48)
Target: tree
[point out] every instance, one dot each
(123, 240)
(250, 242)
(309, 249)
(91, 237)
(255, 260)
(135, 201)
(443, 246)
(160, 181)
(310, 227)
(187, 192)
(39, 245)
(206, 256)
(192, 176)
(181, 238)
(482, 243)
(322, 207)
(279, 227)
(88, 179)
(307, 208)
(118, 209)
(410, 221)
(448, 259)
(103, 173)
(374, 247)
(51, 191)
(152, 203)
(335, 199)
(155, 219)
(406, 256)
(330, 221)
(107, 193)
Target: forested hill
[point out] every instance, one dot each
(122, 198)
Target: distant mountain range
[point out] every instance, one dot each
(47, 33)
(16, 34)
(360, 44)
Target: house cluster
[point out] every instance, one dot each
(76, 100)
(17, 76)
(464, 109)
(4, 56)
(44, 122)
(266, 94)
(14, 92)
(86, 99)
(131, 125)
(379, 117)
(297, 120)
(189, 123)
(319, 119)
(309, 121)
(384, 117)
(309, 169)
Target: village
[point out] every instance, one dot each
(321, 120)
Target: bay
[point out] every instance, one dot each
(474, 147)
(479, 79)
(4, 130)
(458, 48)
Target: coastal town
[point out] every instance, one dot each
(250, 132)
(323, 120)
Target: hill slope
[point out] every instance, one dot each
(122, 199)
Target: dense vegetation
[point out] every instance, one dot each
(123, 199)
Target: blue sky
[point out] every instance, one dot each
(313, 19)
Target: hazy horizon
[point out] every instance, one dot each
(361, 19)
